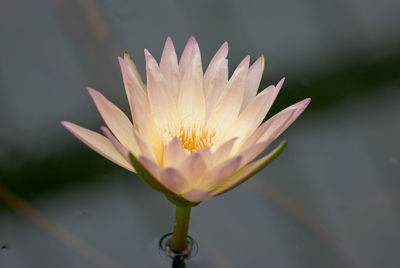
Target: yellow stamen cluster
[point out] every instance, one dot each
(193, 138)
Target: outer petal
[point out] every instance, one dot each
(248, 171)
(251, 153)
(187, 55)
(197, 195)
(174, 180)
(117, 145)
(279, 120)
(218, 174)
(191, 102)
(134, 69)
(193, 168)
(98, 143)
(169, 67)
(253, 80)
(228, 106)
(174, 153)
(115, 119)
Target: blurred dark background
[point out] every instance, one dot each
(332, 199)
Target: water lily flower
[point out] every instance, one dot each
(193, 134)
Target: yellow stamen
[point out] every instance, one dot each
(193, 138)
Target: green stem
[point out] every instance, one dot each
(178, 243)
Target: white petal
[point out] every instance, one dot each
(174, 180)
(115, 119)
(280, 121)
(206, 154)
(219, 173)
(145, 125)
(162, 102)
(169, 67)
(144, 148)
(187, 55)
(197, 195)
(98, 143)
(193, 168)
(253, 80)
(174, 153)
(216, 78)
(229, 103)
(153, 168)
(251, 153)
(191, 102)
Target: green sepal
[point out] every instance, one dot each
(147, 177)
(180, 202)
(261, 163)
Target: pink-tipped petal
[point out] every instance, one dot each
(174, 153)
(169, 67)
(162, 101)
(174, 180)
(253, 81)
(223, 151)
(98, 143)
(187, 55)
(280, 121)
(118, 146)
(197, 195)
(191, 102)
(254, 113)
(216, 78)
(219, 173)
(228, 106)
(251, 153)
(134, 89)
(193, 168)
(115, 119)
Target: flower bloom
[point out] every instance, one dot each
(194, 135)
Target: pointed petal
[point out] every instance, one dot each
(196, 196)
(169, 67)
(220, 173)
(115, 119)
(187, 55)
(280, 122)
(254, 113)
(174, 153)
(251, 153)
(174, 180)
(134, 89)
(117, 145)
(229, 103)
(134, 70)
(223, 151)
(193, 168)
(162, 102)
(216, 78)
(191, 103)
(248, 171)
(145, 125)
(98, 143)
(253, 80)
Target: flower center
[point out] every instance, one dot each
(193, 138)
